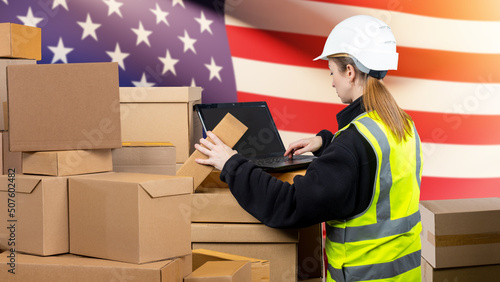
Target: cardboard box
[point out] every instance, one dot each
(66, 163)
(20, 41)
(310, 252)
(229, 130)
(213, 179)
(221, 271)
(161, 114)
(63, 107)
(3, 86)
(145, 157)
(461, 232)
(218, 205)
(278, 246)
(282, 256)
(67, 267)
(130, 217)
(473, 273)
(12, 161)
(260, 268)
(37, 215)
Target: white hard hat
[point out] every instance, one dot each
(366, 39)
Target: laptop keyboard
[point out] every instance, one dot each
(273, 160)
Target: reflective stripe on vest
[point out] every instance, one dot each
(356, 246)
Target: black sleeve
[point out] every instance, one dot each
(329, 190)
(327, 137)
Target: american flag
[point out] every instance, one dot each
(236, 50)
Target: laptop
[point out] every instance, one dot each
(261, 143)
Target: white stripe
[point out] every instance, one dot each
(311, 84)
(317, 18)
(444, 160)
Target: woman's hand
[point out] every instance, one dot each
(303, 146)
(217, 152)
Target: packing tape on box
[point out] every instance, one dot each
(229, 130)
(463, 239)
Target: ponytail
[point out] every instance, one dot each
(376, 97)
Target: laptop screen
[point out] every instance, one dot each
(262, 137)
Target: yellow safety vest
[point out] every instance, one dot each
(383, 242)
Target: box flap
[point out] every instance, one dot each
(462, 205)
(224, 270)
(159, 94)
(169, 187)
(22, 184)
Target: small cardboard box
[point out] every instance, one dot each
(145, 157)
(488, 273)
(221, 271)
(12, 161)
(130, 217)
(161, 114)
(461, 232)
(66, 163)
(63, 107)
(260, 268)
(229, 130)
(278, 246)
(67, 267)
(20, 41)
(35, 208)
(3, 87)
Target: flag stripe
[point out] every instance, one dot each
(436, 188)
(311, 117)
(299, 49)
(410, 30)
(481, 10)
(315, 85)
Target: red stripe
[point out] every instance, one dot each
(311, 117)
(437, 188)
(299, 50)
(479, 10)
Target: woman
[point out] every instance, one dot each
(365, 183)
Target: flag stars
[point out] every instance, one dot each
(214, 70)
(180, 2)
(142, 34)
(89, 28)
(113, 7)
(161, 16)
(188, 42)
(30, 19)
(143, 82)
(60, 52)
(118, 56)
(168, 63)
(62, 3)
(204, 23)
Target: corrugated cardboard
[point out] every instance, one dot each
(260, 267)
(66, 163)
(11, 160)
(63, 107)
(461, 232)
(65, 268)
(218, 205)
(130, 217)
(248, 233)
(161, 114)
(41, 214)
(20, 41)
(221, 271)
(229, 130)
(213, 179)
(3, 86)
(282, 256)
(488, 273)
(145, 157)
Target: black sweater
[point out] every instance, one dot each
(337, 185)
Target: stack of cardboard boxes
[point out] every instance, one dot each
(98, 183)
(461, 240)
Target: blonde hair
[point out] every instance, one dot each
(376, 97)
